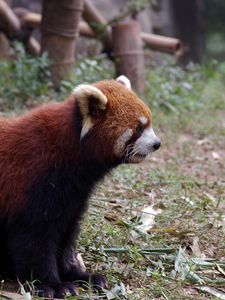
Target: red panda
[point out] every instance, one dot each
(50, 160)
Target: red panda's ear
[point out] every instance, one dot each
(124, 81)
(92, 102)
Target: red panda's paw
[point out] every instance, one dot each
(44, 291)
(59, 290)
(99, 282)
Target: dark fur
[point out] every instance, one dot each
(37, 242)
(47, 175)
(41, 237)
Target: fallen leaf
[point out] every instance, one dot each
(147, 218)
(212, 291)
(195, 248)
(171, 231)
(215, 155)
(81, 262)
(117, 290)
(9, 295)
(203, 141)
(221, 270)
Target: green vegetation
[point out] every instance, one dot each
(215, 35)
(23, 80)
(171, 87)
(182, 249)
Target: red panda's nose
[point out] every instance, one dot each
(156, 145)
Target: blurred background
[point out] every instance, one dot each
(197, 27)
(198, 23)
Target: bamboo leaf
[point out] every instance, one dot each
(212, 291)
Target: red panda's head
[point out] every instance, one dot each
(116, 124)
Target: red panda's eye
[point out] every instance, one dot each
(139, 129)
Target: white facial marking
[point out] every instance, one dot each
(146, 141)
(121, 141)
(143, 120)
(144, 145)
(124, 80)
(87, 125)
(82, 93)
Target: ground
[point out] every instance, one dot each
(177, 249)
(184, 183)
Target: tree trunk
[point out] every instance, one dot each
(190, 28)
(60, 21)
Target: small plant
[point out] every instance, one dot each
(23, 78)
(176, 89)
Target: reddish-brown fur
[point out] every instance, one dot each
(124, 104)
(20, 143)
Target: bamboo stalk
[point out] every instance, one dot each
(59, 35)
(162, 43)
(98, 23)
(86, 30)
(33, 46)
(28, 18)
(8, 20)
(91, 14)
(155, 42)
(31, 20)
(128, 52)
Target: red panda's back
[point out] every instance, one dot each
(28, 147)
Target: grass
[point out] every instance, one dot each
(185, 180)
(181, 252)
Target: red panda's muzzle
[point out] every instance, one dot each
(138, 150)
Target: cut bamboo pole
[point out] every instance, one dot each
(128, 52)
(92, 15)
(20, 11)
(33, 46)
(162, 43)
(8, 20)
(28, 22)
(156, 42)
(60, 21)
(28, 18)
(86, 30)
(33, 20)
